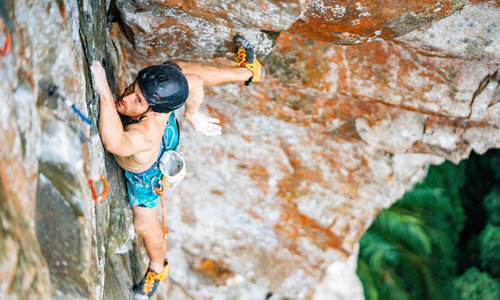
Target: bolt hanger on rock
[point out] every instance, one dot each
(52, 90)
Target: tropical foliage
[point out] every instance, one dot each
(492, 205)
(434, 243)
(476, 285)
(489, 249)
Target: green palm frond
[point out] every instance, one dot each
(366, 277)
(440, 239)
(377, 252)
(391, 284)
(405, 229)
(417, 267)
(397, 293)
(408, 251)
(425, 198)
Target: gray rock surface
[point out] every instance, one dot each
(468, 34)
(162, 33)
(272, 15)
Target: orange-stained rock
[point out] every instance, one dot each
(334, 88)
(162, 33)
(166, 29)
(311, 154)
(353, 22)
(43, 249)
(306, 160)
(274, 15)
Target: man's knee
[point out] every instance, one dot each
(139, 227)
(143, 225)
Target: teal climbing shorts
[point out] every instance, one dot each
(141, 186)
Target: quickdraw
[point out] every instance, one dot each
(53, 90)
(104, 192)
(165, 232)
(4, 51)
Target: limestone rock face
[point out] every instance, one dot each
(55, 242)
(469, 34)
(34, 243)
(272, 207)
(353, 22)
(348, 285)
(163, 29)
(334, 131)
(272, 15)
(161, 32)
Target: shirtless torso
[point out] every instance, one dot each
(152, 129)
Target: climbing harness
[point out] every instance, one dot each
(5, 50)
(52, 90)
(160, 192)
(104, 192)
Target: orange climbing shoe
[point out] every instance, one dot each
(149, 283)
(245, 57)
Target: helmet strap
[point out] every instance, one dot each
(138, 120)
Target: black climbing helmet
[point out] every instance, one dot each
(164, 87)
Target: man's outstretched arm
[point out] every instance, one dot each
(214, 73)
(113, 137)
(200, 122)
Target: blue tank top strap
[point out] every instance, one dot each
(170, 138)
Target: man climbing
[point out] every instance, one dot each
(148, 104)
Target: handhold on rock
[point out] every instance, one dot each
(484, 83)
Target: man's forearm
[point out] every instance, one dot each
(196, 95)
(110, 125)
(200, 122)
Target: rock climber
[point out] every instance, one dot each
(148, 105)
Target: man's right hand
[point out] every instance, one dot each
(100, 81)
(205, 125)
